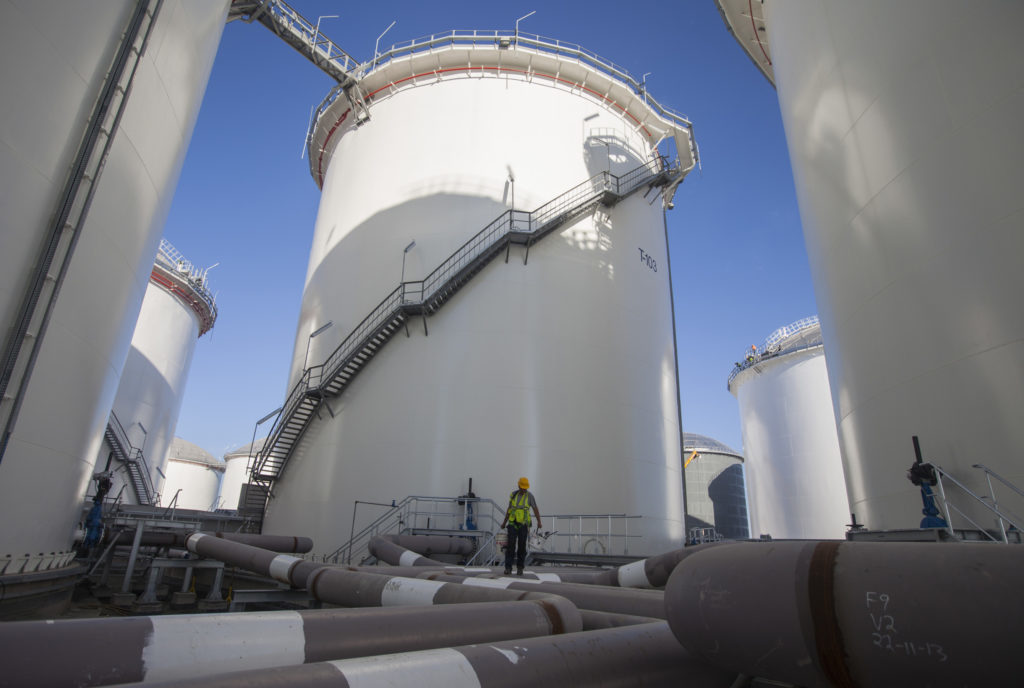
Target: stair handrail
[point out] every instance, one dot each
(494, 231)
(131, 454)
(336, 555)
(942, 473)
(1004, 481)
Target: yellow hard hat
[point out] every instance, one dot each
(524, 484)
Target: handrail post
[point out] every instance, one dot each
(945, 504)
(995, 505)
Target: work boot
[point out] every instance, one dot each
(508, 570)
(519, 570)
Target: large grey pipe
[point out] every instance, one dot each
(854, 613)
(108, 651)
(274, 543)
(647, 603)
(629, 656)
(408, 550)
(356, 589)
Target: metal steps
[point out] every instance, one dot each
(133, 459)
(425, 297)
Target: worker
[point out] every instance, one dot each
(517, 517)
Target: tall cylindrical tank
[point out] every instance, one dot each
(69, 47)
(193, 477)
(236, 463)
(558, 364)
(903, 125)
(178, 309)
(794, 472)
(716, 494)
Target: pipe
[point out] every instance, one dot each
(397, 550)
(648, 603)
(632, 655)
(854, 613)
(652, 572)
(107, 651)
(356, 589)
(274, 543)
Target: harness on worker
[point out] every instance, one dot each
(520, 503)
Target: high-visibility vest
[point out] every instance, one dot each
(520, 507)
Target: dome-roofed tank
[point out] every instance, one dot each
(558, 364)
(236, 465)
(903, 125)
(64, 64)
(794, 472)
(193, 477)
(716, 495)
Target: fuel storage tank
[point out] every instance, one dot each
(236, 466)
(558, 364)
(177, 310)
(193, 477)
(794, 471)
(903, 125)
(56, 57)
(716, 494)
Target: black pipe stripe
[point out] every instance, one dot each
(827, 635)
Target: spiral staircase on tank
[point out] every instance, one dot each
(425, 297)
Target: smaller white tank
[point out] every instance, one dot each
(716, 494)
(795, 482)
(236, 473)
(193, 475)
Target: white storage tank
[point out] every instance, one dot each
(716, 494)
(55, 57)
(178, 309)
(794, 471)
(903, 124)
(193, 477)
(236, 465)
(558, 364)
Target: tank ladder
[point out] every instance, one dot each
(425, 297)
(21, 349)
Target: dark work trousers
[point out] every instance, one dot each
(516, 544)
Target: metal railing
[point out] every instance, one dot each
(583, 533)
(989, 502)
(131, 454)
(503, 39)
(173, 261)
(420, 513)
(772, 346)
(316, 379)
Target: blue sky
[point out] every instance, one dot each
(247, 201)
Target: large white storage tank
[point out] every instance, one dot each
(193, 477)
(177, 310)
(55, 56)
(236, 465)
(716, 494)
(559, 367)
(903, 123)
(795, 482)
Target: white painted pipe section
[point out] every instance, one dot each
(644, 654)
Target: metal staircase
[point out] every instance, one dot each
(1003, 516)
(132, 458)
(425, 297)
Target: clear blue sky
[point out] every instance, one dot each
(247, 201)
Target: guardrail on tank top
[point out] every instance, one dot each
(494, 236)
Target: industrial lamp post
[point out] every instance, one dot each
(405, 252)
(309, 340)
(517, 24)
